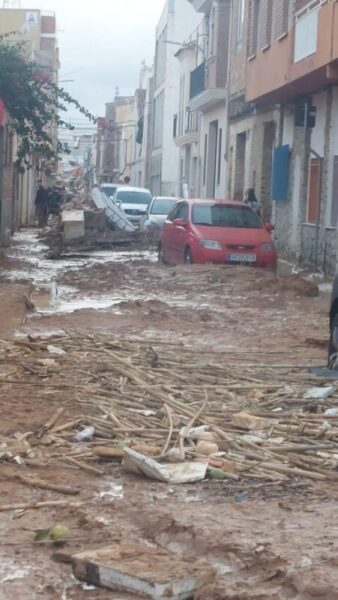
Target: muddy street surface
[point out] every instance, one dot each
(110, 339)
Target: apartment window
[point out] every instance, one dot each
(334, 201)
(205, 158)
(240, 24)
(314, 189)
(281, 18)
(219, 162)
(264, 24)
(306, 34)
(253, 27)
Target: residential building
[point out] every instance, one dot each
(292, 74)
(38, 29)
(186, 126)
(142, 117)
(208, 93)
(7, 183)
(115, 140)
(178, 20)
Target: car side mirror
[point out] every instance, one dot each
(179, 223)
(269, 227)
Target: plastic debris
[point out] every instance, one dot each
(85, 435)
(186, 472)
(319, 393)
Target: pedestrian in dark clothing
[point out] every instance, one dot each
(42, 205)
(252, 201)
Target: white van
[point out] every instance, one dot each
(134, 201)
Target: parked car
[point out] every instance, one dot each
(202, 231)
(157, 213)
(109, 189)
(134, 201)
(333, 344)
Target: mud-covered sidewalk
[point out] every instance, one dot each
(80, 335)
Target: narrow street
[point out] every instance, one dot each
(108, 338)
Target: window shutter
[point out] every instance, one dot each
(281, 18)
(252, 29)
(264, 23)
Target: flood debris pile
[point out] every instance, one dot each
(164, 410)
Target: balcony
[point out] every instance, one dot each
(186, 127)
(204, 95)
(302, 62)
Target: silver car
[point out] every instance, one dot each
(157, 213)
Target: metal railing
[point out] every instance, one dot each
(185, 122)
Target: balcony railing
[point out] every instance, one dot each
(185, 123)
(197, 80)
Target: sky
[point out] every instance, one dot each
(102, 45)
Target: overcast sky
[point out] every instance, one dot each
(102, 44)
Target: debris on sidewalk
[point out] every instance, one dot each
(145, 570)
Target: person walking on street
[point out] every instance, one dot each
(42, 204)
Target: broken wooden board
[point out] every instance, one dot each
(146, 570)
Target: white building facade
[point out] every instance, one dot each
(178, 20)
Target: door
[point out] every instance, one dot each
(179, 234)
(167, 236)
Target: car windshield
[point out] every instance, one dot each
(109, 191)
(133, 197)
(162, 206)
(219, 215)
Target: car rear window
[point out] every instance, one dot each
(162, 206)
(220, 215)
(133, 197)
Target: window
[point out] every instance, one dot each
(306, 35)
(281, 18)
(314, 190)
(219, 164)
(205, 158)
(182, 211)
(220, 215)
(162, 206)
(133, 197)
(253, 27)
(240, 24)
(334, 201)
(264, 28)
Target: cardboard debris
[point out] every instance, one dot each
(187, 472)
(149, 571)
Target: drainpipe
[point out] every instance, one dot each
(319, 202)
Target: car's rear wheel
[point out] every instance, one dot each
(333, 344)
(188, 258)
(161, 255)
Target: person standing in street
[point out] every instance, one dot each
(41, 204)
(252, 201)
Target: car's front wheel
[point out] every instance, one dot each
(333, 344)
(188, 258)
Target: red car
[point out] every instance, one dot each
(216, 231)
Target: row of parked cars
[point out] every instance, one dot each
(199, 231)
